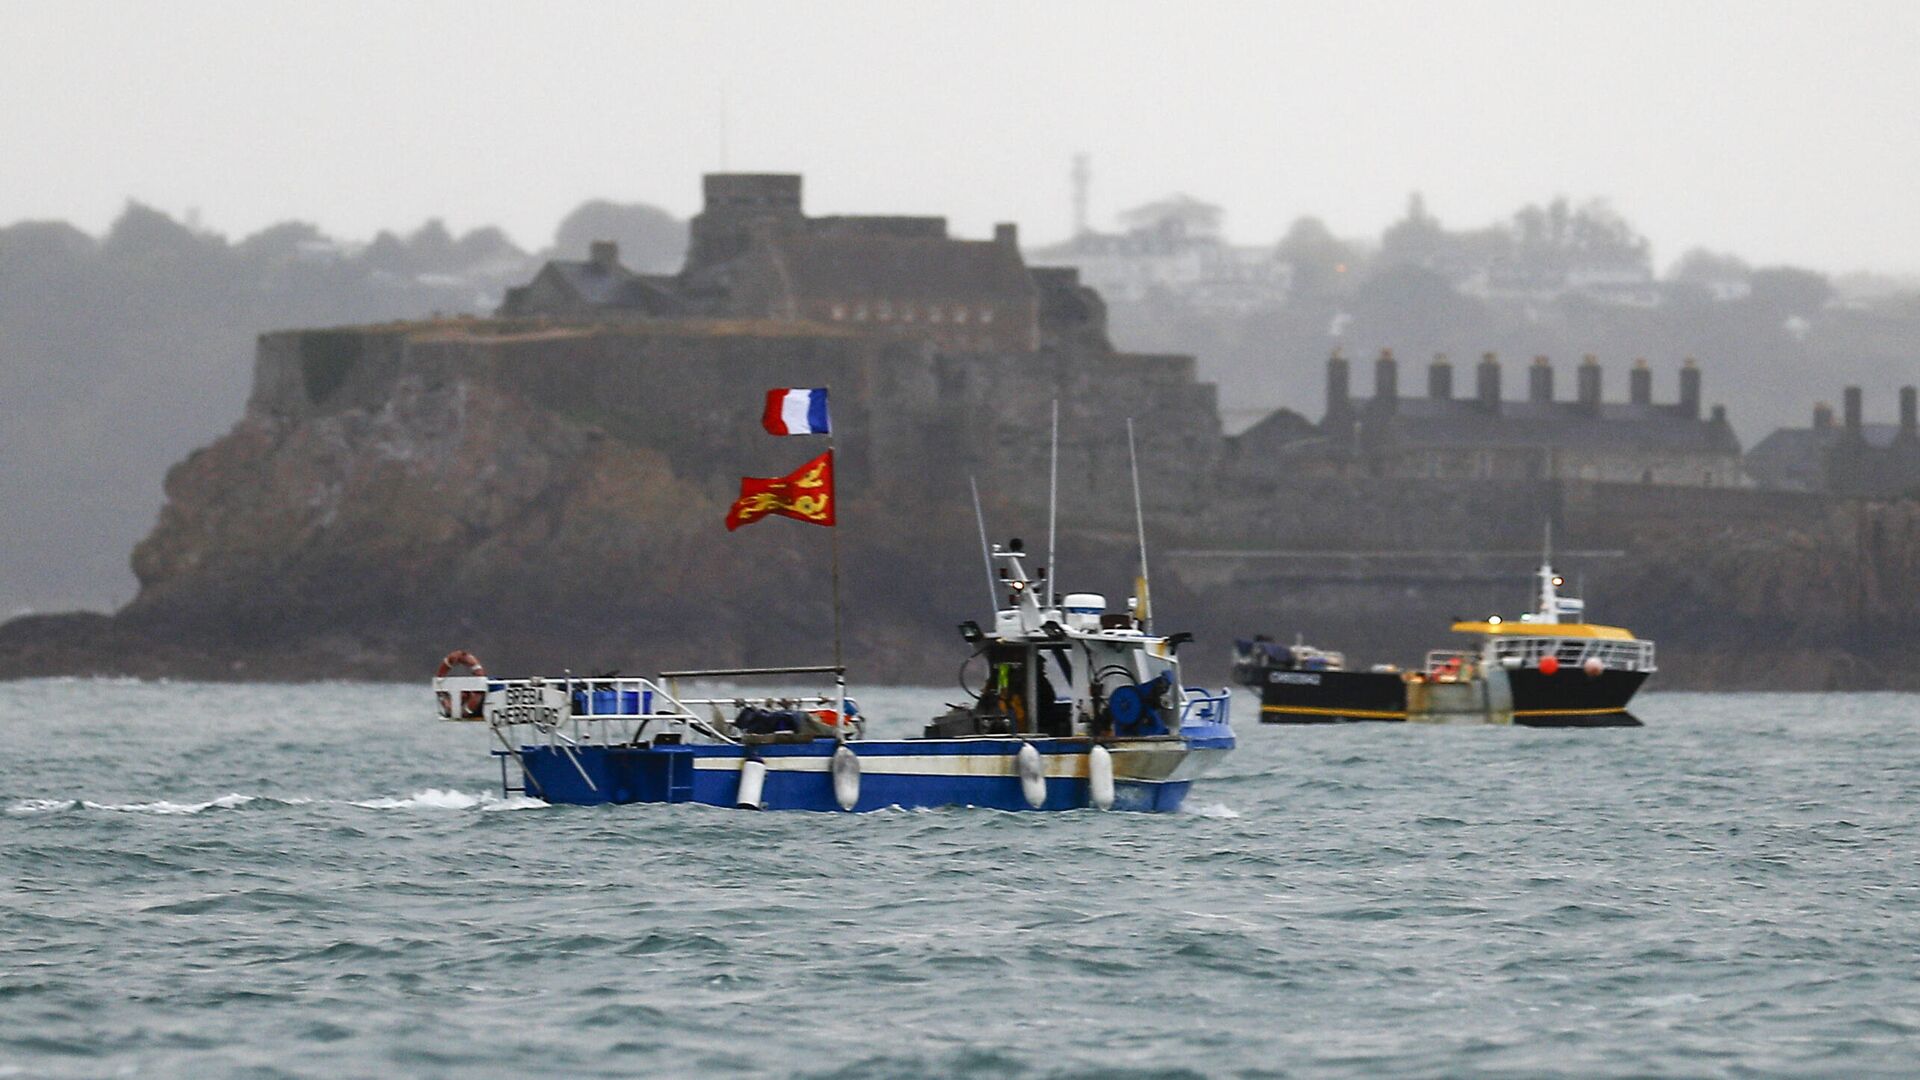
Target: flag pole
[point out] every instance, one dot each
(839, 663)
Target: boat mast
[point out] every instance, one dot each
(1140, 528)
(1053, 508)
(986, 550)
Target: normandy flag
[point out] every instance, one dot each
(806, 494)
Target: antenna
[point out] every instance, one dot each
(1140, 526)
(986, 553)
(1053, 508)
(1082, 178)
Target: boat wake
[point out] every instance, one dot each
(430, 799)
(437, 799)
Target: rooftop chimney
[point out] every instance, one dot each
(1540, 381)
(1488, 378)
(1338, 379)
(604, 254)
(1640, 383)
(1909, 422)
(1386, 380)
(1851, 406)
(1822, 416)
(1690, 389)
(1007, 233)
(1590, 384)
(1440, 378)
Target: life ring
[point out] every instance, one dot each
(472, 702)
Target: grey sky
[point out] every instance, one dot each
(1784, 131)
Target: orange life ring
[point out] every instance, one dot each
(472, 702)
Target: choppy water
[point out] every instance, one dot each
(318, 881)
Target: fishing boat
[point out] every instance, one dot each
(1077, 707)
(1548, 668)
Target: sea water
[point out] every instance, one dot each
(265, 881)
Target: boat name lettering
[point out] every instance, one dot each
(1298, 678)
(529, 705)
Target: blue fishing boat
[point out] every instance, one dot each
(1076, 707)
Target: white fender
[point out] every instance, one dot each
(846, 777)
(753, 777)
(1100, 778)
(1033, 776)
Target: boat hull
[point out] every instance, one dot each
(1149, 774)
(1567, 698)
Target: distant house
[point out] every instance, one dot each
(1484, 436)
(598, 286)
(1173, 247)
(753, 253)
(1851, 458)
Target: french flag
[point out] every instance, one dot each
(796, 411)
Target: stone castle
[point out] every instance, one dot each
(546, 486)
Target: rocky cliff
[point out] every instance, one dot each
(551, 497)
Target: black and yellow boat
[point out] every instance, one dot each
(1548, 668)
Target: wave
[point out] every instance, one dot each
(438, 799)
(1218, 811)
(431, 799)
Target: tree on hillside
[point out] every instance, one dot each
(1787, 291)
(1319, 259)
(651, 240)
(1702, 267)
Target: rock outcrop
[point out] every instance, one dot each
(551, 496)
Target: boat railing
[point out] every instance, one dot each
(1204, 706)
(1451, 665)
(1612, 654)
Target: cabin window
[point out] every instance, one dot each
(839, 312)
(960, 315)
(860, 313)
(986, 314)
(884, 312)
(906, 313)
(934, 314)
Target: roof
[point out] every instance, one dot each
(1463, 423)
(601, 286)
(1545, 630)
(853, 266)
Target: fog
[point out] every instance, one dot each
(181, 178)
(1781, 130)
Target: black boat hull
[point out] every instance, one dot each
(1567, 698)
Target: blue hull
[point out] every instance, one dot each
(1149, 775)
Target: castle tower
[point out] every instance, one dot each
(737, 204)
